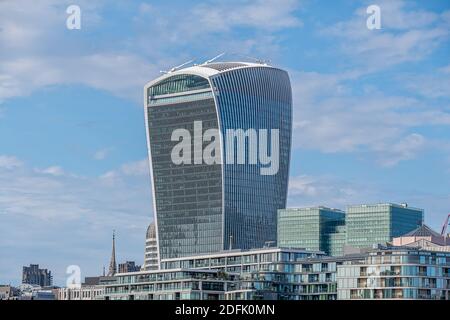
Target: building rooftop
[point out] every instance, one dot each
(422, 231)
(402, 205)
(312, 208)
(207, 70)
(151, 231)
(238, 252)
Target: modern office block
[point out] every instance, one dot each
(368, 225)
(337, 240)
(318, 228)
(208, 207)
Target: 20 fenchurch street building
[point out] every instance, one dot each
(205, 208)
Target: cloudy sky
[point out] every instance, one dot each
(371, 111)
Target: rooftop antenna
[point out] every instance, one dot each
(214, 59)
(178, 67)
(257, 60)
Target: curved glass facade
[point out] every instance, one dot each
(188, 197)
(200, 207)
(254, 98)
(177, 84)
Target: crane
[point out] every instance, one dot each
(444, 227)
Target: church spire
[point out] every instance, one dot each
(112, 264)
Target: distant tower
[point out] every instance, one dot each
(151, 249)
(112, 264)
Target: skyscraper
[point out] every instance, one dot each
(208, 207)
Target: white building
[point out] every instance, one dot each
(83, 293)
(151, 249)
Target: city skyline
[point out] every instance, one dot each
(371, 119)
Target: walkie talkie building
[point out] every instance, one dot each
(204, 208)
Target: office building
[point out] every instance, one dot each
(34, 276)
(367, 225)
(332, 230)
(317, 228)
(151, 249)
(203, 208)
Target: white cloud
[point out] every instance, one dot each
(70, 218)
(311, 191)
(9, 162)
(138, 168)
(40, 51)
(446, 69)
(407, 34)
(218, 24)
(102, 154)
(405, 149)
(329, 117)
(262, 14)
(434, 84)
(54, 171)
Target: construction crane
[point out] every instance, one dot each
(444, 227)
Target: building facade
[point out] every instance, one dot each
(380, 223)
(317, 228)
(396, 273)
(128, 266)
(33, 275)
(85, 292)
(424, 236)
(175, 284)
(202, 206)
(151, 249)
(8, 292)
(304, 279)
(214, 276)
(286, 274)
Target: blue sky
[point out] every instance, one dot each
(371, 111)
